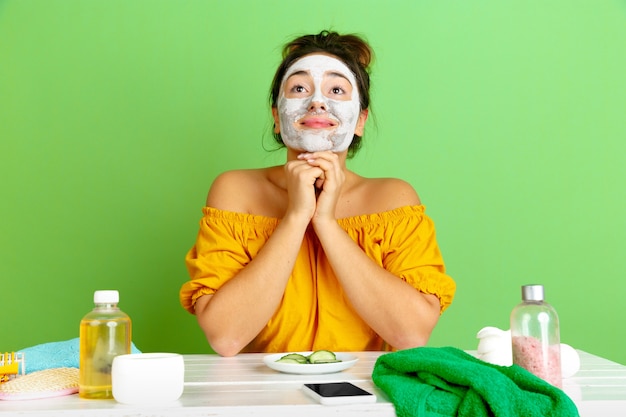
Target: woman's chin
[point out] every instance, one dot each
(317, 145)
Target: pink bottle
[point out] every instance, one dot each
(535, 336)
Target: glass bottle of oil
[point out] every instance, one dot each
(105, 332)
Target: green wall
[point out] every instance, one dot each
(508, 117)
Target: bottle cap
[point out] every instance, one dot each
(532, 292)
(106, 297)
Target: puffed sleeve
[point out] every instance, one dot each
(225, 244)
(411, 252)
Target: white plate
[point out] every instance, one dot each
(347, 361)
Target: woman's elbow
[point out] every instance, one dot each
(409, 341)
(225, 347)
(416, 336)
(222, 341)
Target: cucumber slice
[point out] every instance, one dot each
(322, 356)
(294, 356)
(317, 357)
(289, 360)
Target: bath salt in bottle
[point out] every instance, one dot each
(105, 332)
(535, 336)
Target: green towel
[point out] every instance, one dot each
(446, 381)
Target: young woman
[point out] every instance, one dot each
(310, 255)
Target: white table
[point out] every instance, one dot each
(244, 386)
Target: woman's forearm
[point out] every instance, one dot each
(240, 309)
(397, 312)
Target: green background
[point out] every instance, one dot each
(508, 117)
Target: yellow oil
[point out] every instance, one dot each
(104, 334)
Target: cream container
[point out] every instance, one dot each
(147, 378)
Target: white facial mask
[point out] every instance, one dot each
(344, 113)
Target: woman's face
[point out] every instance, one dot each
(318, 106)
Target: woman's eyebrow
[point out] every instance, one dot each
(338, 74)
(299, 72)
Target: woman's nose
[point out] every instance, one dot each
(318, 101)
(317, 105)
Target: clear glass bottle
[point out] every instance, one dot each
(535, 336)
(105, 332)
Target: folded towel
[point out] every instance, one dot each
(63, 354)
(437, 382)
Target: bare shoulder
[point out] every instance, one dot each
(389, 193)
(235, 190)
(396, 190)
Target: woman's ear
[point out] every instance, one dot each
(276, 120)
(360, 124)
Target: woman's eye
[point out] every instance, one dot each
(337, 90)
(298, 89)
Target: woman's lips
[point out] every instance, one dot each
(317, 122)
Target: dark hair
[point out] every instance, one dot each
(351, 49)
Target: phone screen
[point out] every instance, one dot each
(337, 389)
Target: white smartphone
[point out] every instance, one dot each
(332, 393)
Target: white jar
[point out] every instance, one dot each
(148, 378)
